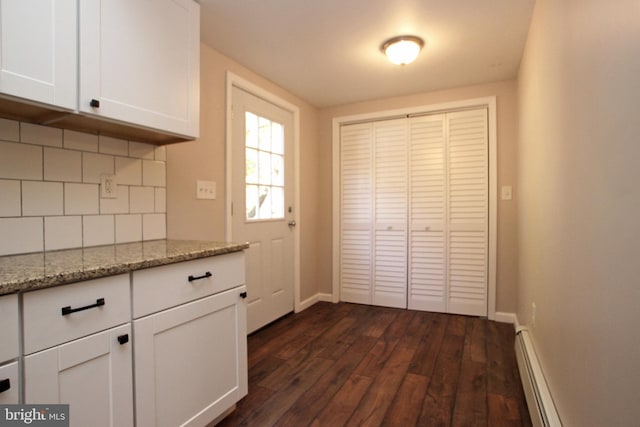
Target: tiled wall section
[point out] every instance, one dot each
(50, 189)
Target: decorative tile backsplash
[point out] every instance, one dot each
(50, 189)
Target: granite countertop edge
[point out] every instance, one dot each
(28, 272)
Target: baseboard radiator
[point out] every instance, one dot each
(541, 408)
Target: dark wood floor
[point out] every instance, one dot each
(348, 364)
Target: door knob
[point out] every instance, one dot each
(292, 223)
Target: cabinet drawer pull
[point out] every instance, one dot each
(243, 295)
(123, 339)
(204, 276)
(68, 310)
(95, 103)
(5, 385)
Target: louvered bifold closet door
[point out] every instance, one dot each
(468, 200)
(356, 246)
(390, 211)
(427, 213)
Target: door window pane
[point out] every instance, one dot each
(264, 173)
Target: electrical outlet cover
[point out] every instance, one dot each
(108, 186)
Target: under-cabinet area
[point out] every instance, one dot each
(161, 341)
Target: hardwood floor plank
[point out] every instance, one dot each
(407, 403)
(381, 321)
(344, 402)
(278, 403)
(319, 395)
(437, 409)
(378, 398)
(470, 409)
(506, 403)
(429, 348)
(256, 398)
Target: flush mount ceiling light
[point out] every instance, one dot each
(402, 50)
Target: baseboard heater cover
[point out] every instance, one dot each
(541, 407)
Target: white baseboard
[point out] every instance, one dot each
(505, 317)
(314, 299)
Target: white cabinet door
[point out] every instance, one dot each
(139, 63)
(9, 384)
(92, 374)
(191, 361)
(38, 52)
(10, 331)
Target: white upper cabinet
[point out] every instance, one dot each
(139, 63)
(38, 51)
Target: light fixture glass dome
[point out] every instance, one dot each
(403, 49)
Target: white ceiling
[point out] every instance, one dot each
(327, 52)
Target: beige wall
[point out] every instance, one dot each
(204, 159)
(505, 93)
(579, 205)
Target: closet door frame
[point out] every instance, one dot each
(487, 102)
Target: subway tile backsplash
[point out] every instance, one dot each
(50, 189)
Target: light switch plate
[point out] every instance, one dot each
(108, 186)
(205, 190)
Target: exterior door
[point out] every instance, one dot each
(262, 204)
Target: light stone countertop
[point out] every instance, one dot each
(19, 273)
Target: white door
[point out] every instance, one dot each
(427, 219)
(415, 209)
(262, 204)
(468, 212)
(390, 212)
(92, 374)
(38, 52)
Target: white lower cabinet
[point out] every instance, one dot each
(9, 384)
(191, 361)
(92, 374)
(185, 345)
(9, 350)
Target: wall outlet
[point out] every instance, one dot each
(205, 190)
(108, 186)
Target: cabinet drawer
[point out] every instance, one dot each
(45, 325)
(163, 287)
(9, 330)
(9, 384)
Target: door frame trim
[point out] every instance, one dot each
(241, 83)
(488, 102)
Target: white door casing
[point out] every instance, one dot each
(272, 269)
